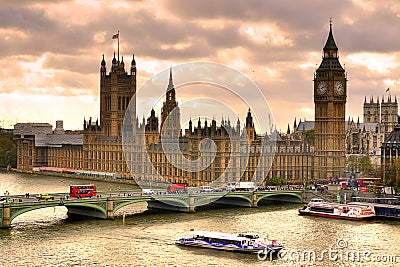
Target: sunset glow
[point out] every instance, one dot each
(50, 52)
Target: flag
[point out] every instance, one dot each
(387, 90)
(116, 36)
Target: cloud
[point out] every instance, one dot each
(55, 48)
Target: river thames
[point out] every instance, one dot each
(46, 237)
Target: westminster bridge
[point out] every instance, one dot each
(105, 204)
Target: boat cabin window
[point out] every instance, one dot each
(224, 241)
(199, 237)
(251, 236)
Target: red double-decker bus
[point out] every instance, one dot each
(82, 190)
(177, 188)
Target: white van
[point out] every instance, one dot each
(147, 191)
(206, 188)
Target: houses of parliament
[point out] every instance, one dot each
(298, 159)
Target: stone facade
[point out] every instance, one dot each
(366, 138)
(98, 147)
(390, 150)
(330, 92)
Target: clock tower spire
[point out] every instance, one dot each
(330, 92)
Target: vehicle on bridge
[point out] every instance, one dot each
(245, 186)
(177, 188)
(147, 191)
(230, 186)
(82, 190)
(44, 196)
(206, 188)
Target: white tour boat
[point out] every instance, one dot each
(243, 242)
(321, 208)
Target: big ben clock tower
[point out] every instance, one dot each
(330, 91)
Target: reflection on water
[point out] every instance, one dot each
(47, 237)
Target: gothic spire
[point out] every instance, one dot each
(330, 42)
(133, 65)
(330, 60)
(171, 82)
(170, 95)
(103, 62)
(133, 62)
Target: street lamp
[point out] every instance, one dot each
(7, 194)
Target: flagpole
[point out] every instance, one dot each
(118, 47)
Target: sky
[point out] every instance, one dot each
(50, 51)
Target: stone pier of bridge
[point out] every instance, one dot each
(5, 216)
(110, 208)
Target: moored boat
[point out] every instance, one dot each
(320, 208)
(243, 242)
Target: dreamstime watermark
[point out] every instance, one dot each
(340, 253)
(209, 149)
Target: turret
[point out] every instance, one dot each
(249, 119)
(103, 69)
(251, 133)
(190, 125)
(122, 62)
(114, 64)
(213, 126)
(133, 66)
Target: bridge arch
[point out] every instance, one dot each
(206, 200)
(17, 212)
(294, 197)
(124, 203)
(244, 199)
(173, 201)
(92, 206)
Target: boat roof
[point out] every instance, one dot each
(360, 205)
(380, 205)
(218, 235)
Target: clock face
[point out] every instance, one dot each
(339, 88)
(322, 88)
